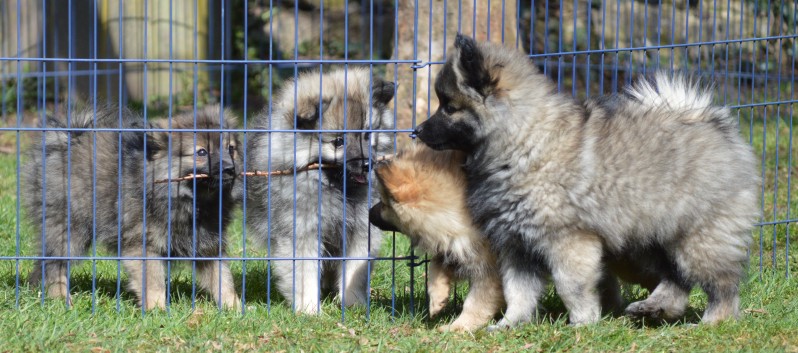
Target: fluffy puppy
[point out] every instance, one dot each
(310, 215)
(82, 185)
(422, 195)
(656, 175)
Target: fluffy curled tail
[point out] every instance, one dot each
(687, 99)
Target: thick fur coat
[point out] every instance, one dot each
(423, 195)
(313, 214)
(655, 177)
(86, 186)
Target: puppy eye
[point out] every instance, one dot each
(338, 142)
(202, 152)
(449, 109)
(367, 136)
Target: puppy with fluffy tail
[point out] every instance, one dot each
(656, 176)
(423, 196)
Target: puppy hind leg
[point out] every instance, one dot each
(723, 301)
(56, 272)
(668, 301)
(714, 257)
(215, 275)
(610, 295)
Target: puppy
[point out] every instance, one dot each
(656, 175)
(85, 185)
(312, 214)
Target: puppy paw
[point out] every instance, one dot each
(463, 325)
(435, 306)
(231, 302)
(500, 326)
(645, 308)
(452, 328)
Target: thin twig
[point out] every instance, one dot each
(261, 173)
(289, 171)
(187, 177)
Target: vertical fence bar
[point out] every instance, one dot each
(776, 133)
(224, 78)
(630, 70)
(194, 163)
(319, 186)
(68, 109)
(169, 169)
(789, 158)
(94, 166)
(269, 167)
(43, 243)
(119, 165)
(244, 165)
(19, 123)
(395, 147)
(144, 173)
(764, 136)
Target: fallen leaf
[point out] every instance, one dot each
(756, 311)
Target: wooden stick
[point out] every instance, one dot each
(187, 177)
(289, 171)
(260, 173)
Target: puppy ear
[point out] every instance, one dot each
(382, 91)
(398, 184)
(308, 113)
(230, 119)
(472, 64)
(157, 141)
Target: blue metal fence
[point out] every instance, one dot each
(236, 53)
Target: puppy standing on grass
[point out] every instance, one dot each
(657, 177)
(422, 195)
(59, 185)
(320, 212)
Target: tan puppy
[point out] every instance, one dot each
(423, 196)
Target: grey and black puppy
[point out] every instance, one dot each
(320, 213)
(656, 178)
(84, 185)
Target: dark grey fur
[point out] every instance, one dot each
(655, 183)
(79, 174)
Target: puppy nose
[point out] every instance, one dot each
(228, 168)
(365, 167)
(416, 131)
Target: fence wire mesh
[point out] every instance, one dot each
(142, 65)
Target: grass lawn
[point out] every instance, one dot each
(104, 319)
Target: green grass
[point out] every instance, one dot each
(109, 320)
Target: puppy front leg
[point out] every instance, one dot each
(485, 299)
(215, 275)
(523, 280)
(575, 261)
(353, 280)
(438, 285)
(146, 278)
